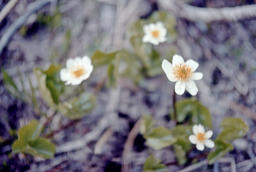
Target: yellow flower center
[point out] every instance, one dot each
(155, 33)
(79, 72)
(182, 72)
(201, 137)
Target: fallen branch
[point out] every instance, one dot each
(194, 166)
(63, 127)
(128, 146)
(32, 8)
(7, 9)
(101, 142)
(180, 9)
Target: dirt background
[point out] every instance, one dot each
(226, 52)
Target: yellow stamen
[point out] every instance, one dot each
(182, 72)
(201, 137)
(79, 72)
(155, 33)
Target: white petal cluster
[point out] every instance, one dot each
(77, 70)
(154, 33)
(201, 138)
(183, 73)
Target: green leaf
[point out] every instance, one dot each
(53, 82)
(100, 58)
(11, 86)
(44, 91)
(155, 64)
(147, 124)
(154, 165)
(221, 148)
(182, 145)
(33, 96)
(41, 147)
(78, 107)
(29, 141)
(180, 154)
(38, 147)
(120, 64)
(195, 111)
(159, 138)
(18, 146)
(128, 66)
(31, 131)
(112, 74)
(232, 128)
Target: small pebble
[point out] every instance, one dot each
(240, 144)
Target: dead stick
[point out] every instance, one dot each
(7, 9)
(69, 124)
(128, 146)
(32, 8)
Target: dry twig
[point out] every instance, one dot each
(102, 141)
(180, 9)
(128, 146)
(32, 8)
(7, 9)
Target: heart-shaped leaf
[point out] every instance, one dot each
(53, 82)
(147, 124)
(30, 142)
(182, 145)
(11, 86)
(194, 111)
(78, 107)
(221, 148)
(159, 138)
(100, 58)
(232, 128)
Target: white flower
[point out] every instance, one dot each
(77, 70)
(154, 33)
(201, 138)
(183, 73)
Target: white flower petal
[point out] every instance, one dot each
(76, 81)
(180, 88)
(64, 74)
(167, 68)
(200, 146)
(192, 139)
(198, 129)
(70, 63)
(86, 61)
(209, 143)
(177, 59)
(146, 38)
(77, 61)
(197, 76)
(146, 29)
(208, 134)
(154, 41)
(191, 87)
(159, 25)
(162, 39)
(67, 74)
(193, 64)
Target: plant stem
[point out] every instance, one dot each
(174, 106)
(69, 124)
